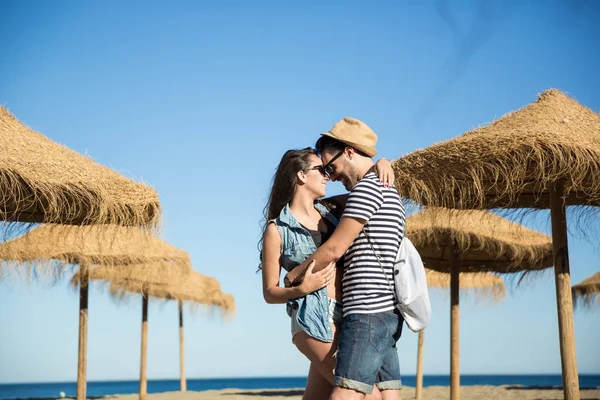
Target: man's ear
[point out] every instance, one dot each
(301, 176)
(349, 152)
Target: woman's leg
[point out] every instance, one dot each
(320, 354)
(321, 358)
(317, 387)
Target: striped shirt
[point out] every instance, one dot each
(364, 287)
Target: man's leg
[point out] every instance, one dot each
(391, 394)
(388, 377)
(346, 394)
(363, 340)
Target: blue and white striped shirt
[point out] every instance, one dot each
(364, 287)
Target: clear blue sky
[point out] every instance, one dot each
(200, 100)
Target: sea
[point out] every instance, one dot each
(52, 390)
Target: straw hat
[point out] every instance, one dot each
(354, 133)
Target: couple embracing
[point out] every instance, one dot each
(338, 256)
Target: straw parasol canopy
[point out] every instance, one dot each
(588, 291)
(194, 289)
(136, 273)
(51, 248)
(42, 181)
(512, 161)
(483, 284)
(484, 241)
(187, 286)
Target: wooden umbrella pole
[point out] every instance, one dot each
(564, 298)
(454, 320)
(183, 385)
(83, 328)
(419, 388)
(143, 381)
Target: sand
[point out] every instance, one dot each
(429, 393)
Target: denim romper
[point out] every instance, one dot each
(311, 311)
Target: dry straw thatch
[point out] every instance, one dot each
(512, 161)
(42, 181)
(587, 293)
(482, 284)
(484, 241)
(164, 273)
(187, 286)
(194, 289)
(49, 249)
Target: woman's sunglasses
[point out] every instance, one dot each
(321, 169)
(327, 170)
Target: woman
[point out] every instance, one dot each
(296, 226)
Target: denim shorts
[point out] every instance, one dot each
(367, 353)
(335, 316)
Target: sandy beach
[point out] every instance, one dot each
(429, 393)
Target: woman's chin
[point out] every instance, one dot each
(320, 194)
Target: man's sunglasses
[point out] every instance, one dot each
(328, 169)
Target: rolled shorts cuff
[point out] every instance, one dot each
(390, 385)
(351, 384)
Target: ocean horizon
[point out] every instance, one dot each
(46, 390)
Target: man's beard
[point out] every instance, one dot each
(350, 180)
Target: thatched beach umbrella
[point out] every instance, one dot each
(453, 241)
(196, 290)
(57, 246)
(482, 284)
(43, 181)
(193, 288)
(545, 155)
(588, 291)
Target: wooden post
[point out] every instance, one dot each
(83, 328)
(419, 388)
(182, 385)
(564, 298)
(143, 381)
(454, 320)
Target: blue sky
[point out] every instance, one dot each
(201, 99)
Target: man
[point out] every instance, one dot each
(369, 236)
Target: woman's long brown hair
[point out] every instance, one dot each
(284, 184)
